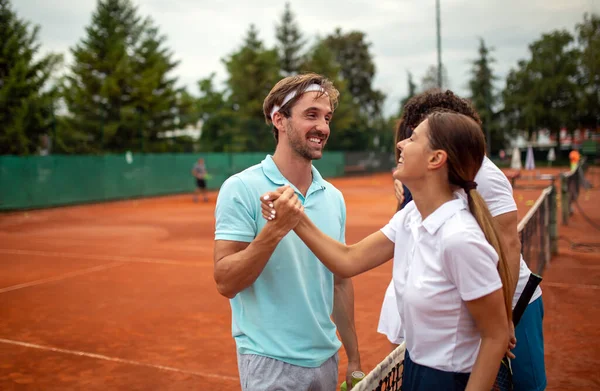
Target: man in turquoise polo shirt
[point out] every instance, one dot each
(282, 298)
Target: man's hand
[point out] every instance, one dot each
(352, 366)
(399, 190)
(512, 340)
(285, 204)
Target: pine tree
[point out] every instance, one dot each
(290, 42)
(219, 121)
(412, 91)
(100, 86)
(352, 51)
(119, 92)
(154, 93)
(26, 97)
(430, 79)
(253, 71)
(588, 38)
(483, 96)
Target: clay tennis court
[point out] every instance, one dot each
(120, 296)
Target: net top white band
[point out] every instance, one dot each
(291, 95)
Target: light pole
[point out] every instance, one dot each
(439, 44)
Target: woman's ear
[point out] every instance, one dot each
(437, 159)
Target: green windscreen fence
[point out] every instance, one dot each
(43, 181)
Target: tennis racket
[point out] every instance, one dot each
(504, 380)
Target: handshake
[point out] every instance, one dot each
(283, 208)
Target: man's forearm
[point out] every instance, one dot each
(238, 271)
(507, 227)
(343, 316)
(513, 256)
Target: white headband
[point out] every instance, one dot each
(291, 95)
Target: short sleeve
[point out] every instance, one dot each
(470, 262)
(495, 189)
(397, 221)
(235, 211)
(391, 228)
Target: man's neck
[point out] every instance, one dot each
(294, 168)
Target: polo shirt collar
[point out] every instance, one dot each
(435, 220)
(272, 172)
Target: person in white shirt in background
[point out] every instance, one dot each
(529, 373)
(450, 272)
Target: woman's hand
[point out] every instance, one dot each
(267, 202)
(282, 203)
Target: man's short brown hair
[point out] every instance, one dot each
(296, 83)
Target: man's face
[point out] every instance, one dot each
(307, 128)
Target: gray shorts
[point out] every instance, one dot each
(259, 373)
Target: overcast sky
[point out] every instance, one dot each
(402, 33)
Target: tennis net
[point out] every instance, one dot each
(387, 376)
(538, 231)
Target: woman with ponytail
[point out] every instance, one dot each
(529, 373)
(450, 273)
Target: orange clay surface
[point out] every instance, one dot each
(121, 296)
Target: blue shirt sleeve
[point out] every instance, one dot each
(235, 213)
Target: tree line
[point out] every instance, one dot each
(119, 93)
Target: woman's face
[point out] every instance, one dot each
(415, 153)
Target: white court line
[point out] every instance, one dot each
(62, 277)
(103, 257)
(117, 246)
(116, 359)
(565, 285)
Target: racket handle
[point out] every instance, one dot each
(523, 302)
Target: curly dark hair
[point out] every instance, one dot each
(420, 106)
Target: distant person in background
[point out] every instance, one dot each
(199, 172)
(574, 157)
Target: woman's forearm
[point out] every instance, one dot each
(345, 261)
(331, 252)
(487, 364)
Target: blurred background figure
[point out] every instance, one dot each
(199, 172)
(574, 157)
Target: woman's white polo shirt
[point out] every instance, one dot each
(439, 263)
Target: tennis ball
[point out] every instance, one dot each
(356, 377)
(529, 202)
